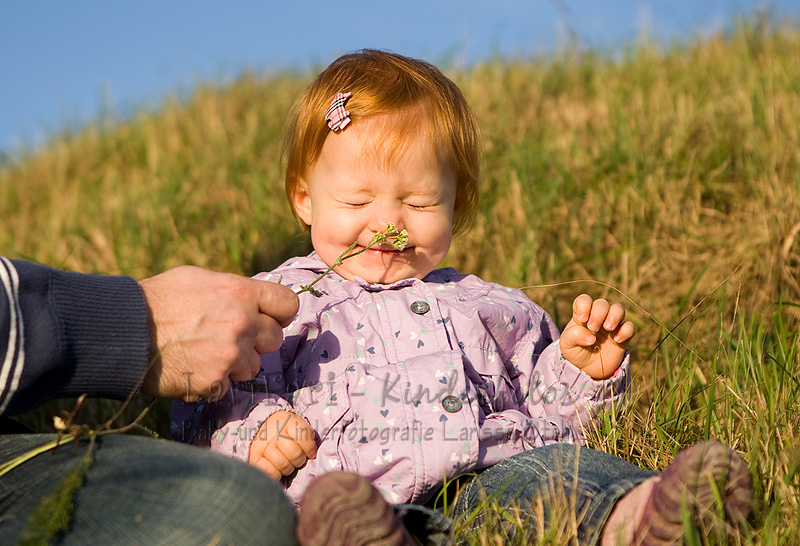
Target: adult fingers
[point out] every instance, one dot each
(269, 334)
(276, 301)
(198, 387)
(246, 366)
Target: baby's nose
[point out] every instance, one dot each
(387, 216)
(386, 226)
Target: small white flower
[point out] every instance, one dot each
(60, 424)
(400, 240)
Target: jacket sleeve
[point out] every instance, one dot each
(245, 407)
(559, 390)
(550, 399)
(65, 334)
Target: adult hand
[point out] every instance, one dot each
(283, 443)
(596, 337)
(208, 328)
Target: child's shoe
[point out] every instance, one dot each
(694, 482)
(344, 509)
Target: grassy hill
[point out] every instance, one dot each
(668, 180)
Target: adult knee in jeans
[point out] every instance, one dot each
(150, 491)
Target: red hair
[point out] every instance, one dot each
(411, 91)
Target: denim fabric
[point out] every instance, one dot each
(149, 492)
(590, 481)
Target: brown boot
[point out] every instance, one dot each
(692, 483)
(344, 509)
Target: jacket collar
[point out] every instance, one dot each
(469, 287)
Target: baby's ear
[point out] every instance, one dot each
(301, 199)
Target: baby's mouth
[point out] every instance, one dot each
(387, 250)
(387, 256)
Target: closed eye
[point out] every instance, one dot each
(419, 207)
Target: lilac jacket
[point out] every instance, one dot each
(409, 383)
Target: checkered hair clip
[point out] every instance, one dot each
(336, 116)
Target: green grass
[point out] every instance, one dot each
(667, 179)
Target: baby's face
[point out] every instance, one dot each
(355, 188)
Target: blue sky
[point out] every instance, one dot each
(63, 62)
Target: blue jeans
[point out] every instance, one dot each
(592, 480)
(145, 491)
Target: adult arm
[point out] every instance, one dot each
(64, 334)
(182, 334)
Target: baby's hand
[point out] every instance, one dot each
(284, 442)
(597, 336)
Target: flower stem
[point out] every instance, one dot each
(389, 235)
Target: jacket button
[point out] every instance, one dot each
(451, 404)
(420, 307)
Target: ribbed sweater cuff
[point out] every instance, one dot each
(104, 333)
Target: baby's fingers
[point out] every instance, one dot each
(593, 314)
(293, 452)
(308, 444)
(576, 335)
(614, 317)
(302, 437)
(284, 457)
(624, 334)
(598, 316)
(582, 308)
(267, 467)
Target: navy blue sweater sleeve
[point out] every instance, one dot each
(64, 334)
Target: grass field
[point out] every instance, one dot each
(664, 178)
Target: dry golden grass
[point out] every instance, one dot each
(668, 180)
